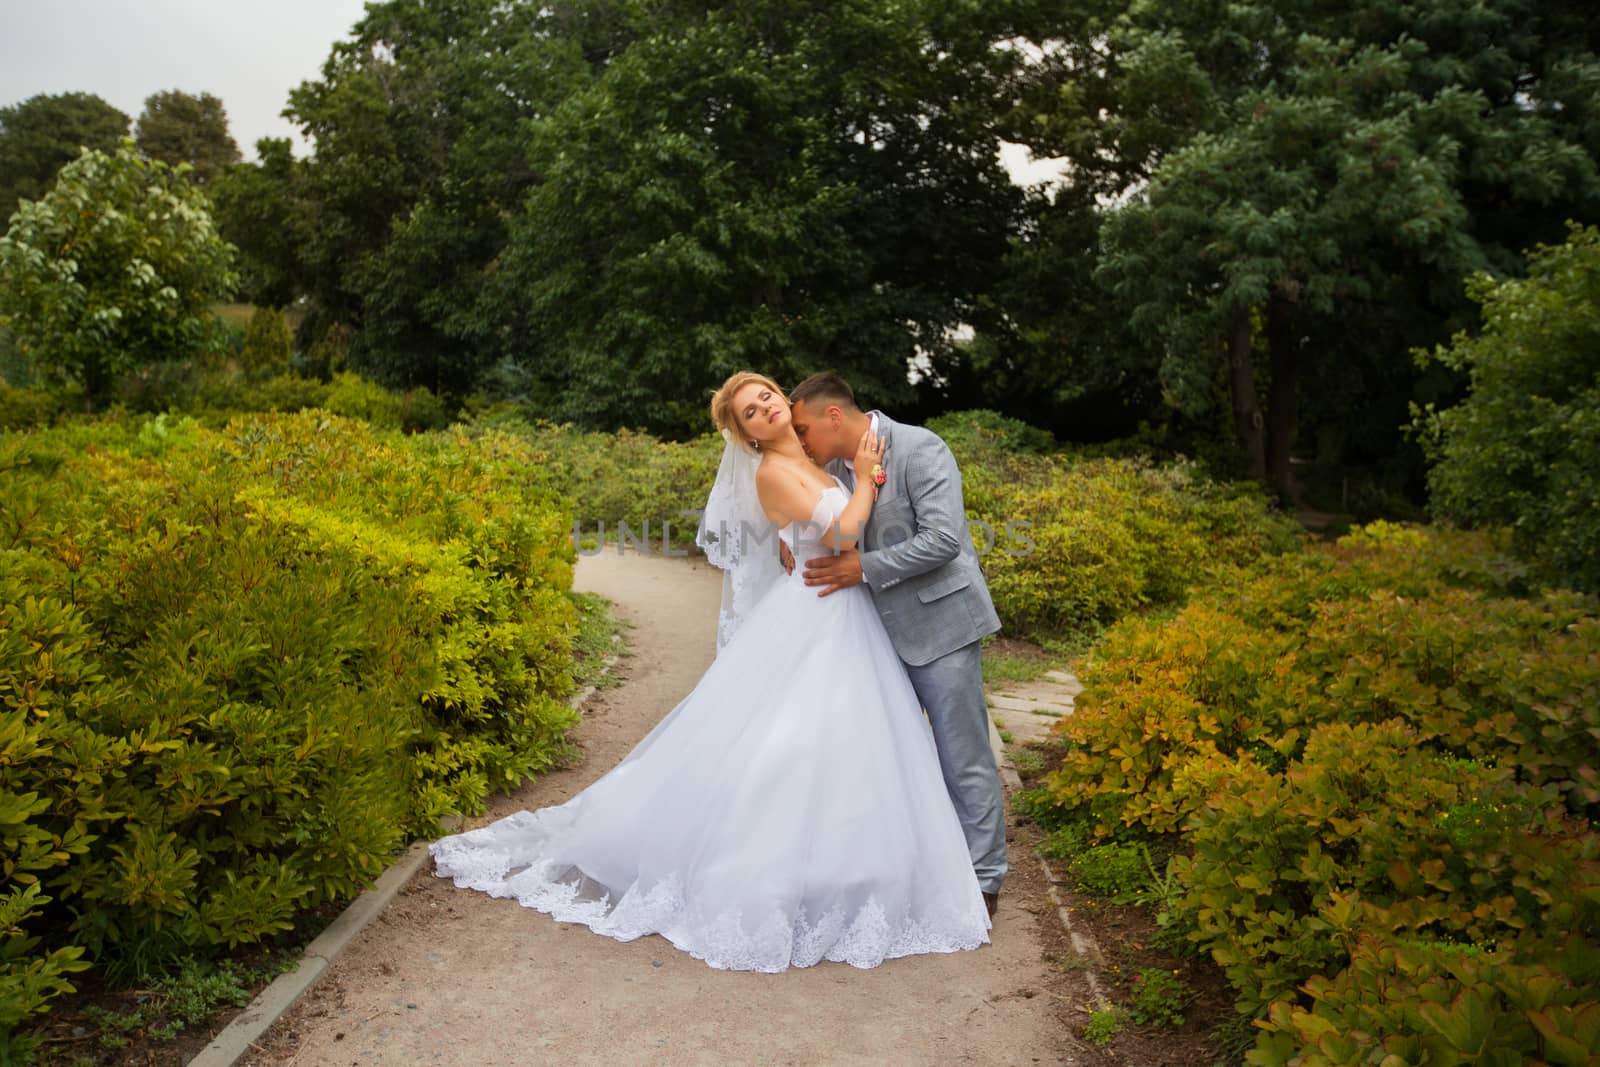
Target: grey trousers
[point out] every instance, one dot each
(951, 691)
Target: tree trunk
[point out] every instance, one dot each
(96, 384)
(1247, 421)
(1283, 395)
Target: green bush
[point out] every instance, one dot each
(266, 346)
(624, 476)
(162, 385)
(1106, 538)
(282, 392)
(1520, 450)
(220, 395)
(1372, 740)
(15, 367)
(240, 668)
(1081, 542)
(329, 353)
(412, 411)
(23, 409)
(976, 436)
(1438, 1003)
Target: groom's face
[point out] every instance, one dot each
(819, 431)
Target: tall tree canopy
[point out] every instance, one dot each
(43, 133)
(256, 207)
(772, 184)
(1267, 206)
(178, 127)
(628, 201)
(1302, 188)
(419, 126)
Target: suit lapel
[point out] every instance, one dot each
(846, 471)
(886, 428)
(891, 486)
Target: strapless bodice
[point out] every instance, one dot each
(831, 503)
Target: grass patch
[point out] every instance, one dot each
(238, 315)
(1004, 667)
(597, 643)
(1009, 661)
(184, 996)
(1029, 764)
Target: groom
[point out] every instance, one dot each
(917, 558)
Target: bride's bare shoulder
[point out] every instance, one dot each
(782, 489)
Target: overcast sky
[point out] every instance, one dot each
(250, 53)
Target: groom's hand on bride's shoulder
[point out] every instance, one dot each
(834, 572)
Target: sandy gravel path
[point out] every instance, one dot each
(450, 976)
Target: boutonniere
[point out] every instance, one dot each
(879, 476)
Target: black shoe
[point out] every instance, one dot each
(992, 902)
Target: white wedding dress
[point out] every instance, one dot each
(789, 810)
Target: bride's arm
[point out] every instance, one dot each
(845, 531)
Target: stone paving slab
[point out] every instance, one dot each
(1029, 711)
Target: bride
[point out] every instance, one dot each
(790, 809)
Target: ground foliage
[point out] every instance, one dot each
(1374, 762)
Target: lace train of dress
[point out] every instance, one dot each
(789, 810)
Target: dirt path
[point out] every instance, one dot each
(450, 976)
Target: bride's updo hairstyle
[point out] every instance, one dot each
(722, 413)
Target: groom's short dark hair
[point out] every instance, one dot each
(821, 390)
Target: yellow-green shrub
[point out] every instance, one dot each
(239, 668)
(415, 410)
(1108, 536)
(412, 410)
(267, 344)
(624, 476)
(1371, 740)
(1438, 1002)
(22, 408)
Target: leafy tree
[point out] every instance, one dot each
(115, 268)
(178, 127)
(787, 185)
(44, 132)
(1059, 352)
(1303, 187)
(598, 195)
(258, 208)
(420, 161)
(1520, 450)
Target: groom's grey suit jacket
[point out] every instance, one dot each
(916, 552)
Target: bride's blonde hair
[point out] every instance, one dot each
(722, 413)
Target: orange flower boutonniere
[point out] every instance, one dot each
(879, 476)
